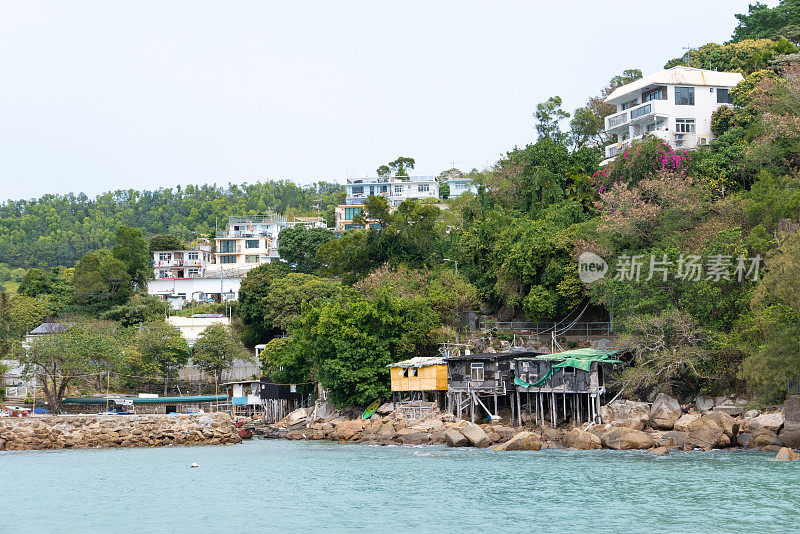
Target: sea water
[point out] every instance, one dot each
(283, 486)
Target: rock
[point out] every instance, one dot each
(454, 438)
(664, 412)
(682, 424)
(619, 410)
(408, 436)
(751, 414)
(659, 451)
(323, 410)
(727, 423)
(386, 432)
(676, 438)
(524, 441)
(551, 434)
(295, 417)
(582, 440)
(504, 432)
(704, 403)
(791, 408)
(622, 438)
(764, 438)
(789, 435)
(385, 409)
(704, 433)
(476, 436)
(428, 425)
(786, 455)
(493, 436)
(743, 439)
(636, 424)
(347, 430)
(767, 421)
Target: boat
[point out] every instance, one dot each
(371, 409)
(246, 433)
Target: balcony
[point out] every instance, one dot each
(615, 121)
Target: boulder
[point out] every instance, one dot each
(727, 423)
(766, 421)
(428, 425)
(704, 403)
(743, 439)
(659, 451)
(618, 410)
(552, 434)
(790, 434)
(764, 438)
(386, 432)
(791, 408)
(454, 438)
(347, 430)
(295, 417)
(505, 432)
(323, 410)
(622, 438)
(682, 424)
(664, 412)
(409, 436)
(385, 409)
(674, 438)
(704, 433)
(749, 414)
(524, 441)
(476, 436)
(634, 423)
(786, 455)
(582, 440)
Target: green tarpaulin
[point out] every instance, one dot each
(579, 359)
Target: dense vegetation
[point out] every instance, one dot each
(702, 248)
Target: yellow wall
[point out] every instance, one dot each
(430, 378)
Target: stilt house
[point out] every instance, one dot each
(562, 386)
(280, 399)
(419, 385)
(480, 385)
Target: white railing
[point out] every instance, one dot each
(616, 120)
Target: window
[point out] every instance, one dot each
(413, 372)
(251, 258)
(684, 125)
(655, 94)
(164, 256)
(724, 96)
(193, 272)
(398, 189)
(227, 259)
(251, 243)
(349, 213)
(629, 104)
(638, 112)
(227, 245)
(405, 373)
(684, 96)
(424, 188)
(476, 372)
(358, 190)
(193, 256)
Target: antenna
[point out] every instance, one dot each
(688, 54)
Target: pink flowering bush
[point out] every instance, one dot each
(639, 161)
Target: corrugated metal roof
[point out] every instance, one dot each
(419, 361)
(48, 328)
(677, 76)
(151, 400)
(495, 355)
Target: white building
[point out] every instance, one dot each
(460, 185)
(395, 189)
(674, 104)
(178, 291)
(176, 264)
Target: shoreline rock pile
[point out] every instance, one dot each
(84, 431)
(660, 427)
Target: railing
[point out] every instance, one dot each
(617, 120)
(600, 328)
(641, 111)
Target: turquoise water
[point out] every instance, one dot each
(282, 486)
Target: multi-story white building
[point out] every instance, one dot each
(180, 263)
(395, 189)
(674, 104)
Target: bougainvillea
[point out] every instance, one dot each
(639, 161)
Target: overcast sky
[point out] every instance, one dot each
(99, 95)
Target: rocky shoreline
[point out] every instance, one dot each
(85, 431)
(659, 427)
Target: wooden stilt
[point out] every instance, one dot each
(519, 411)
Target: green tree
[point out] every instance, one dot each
(284, 299)
(251, 308)
(548, 117)
(444, 191)
(771, 22)
(35, 283)
(84, 350)
(22, 314)
(140, 308)
(216, 349)
(162, 349)
(165, 242)
(398, 167)
(132, 250)
(101, 281)
(298, 246)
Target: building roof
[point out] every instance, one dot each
(495, 355)
(419, 361)
(677, 76)
(588, 354)
(48, 328)
(148, 400)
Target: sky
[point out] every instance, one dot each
(98, 95)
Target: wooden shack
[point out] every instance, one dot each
(419, 383)
(565, 386)
(483, 383)
(279, 400)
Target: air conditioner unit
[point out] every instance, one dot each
(702, 141)
(679, 136)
